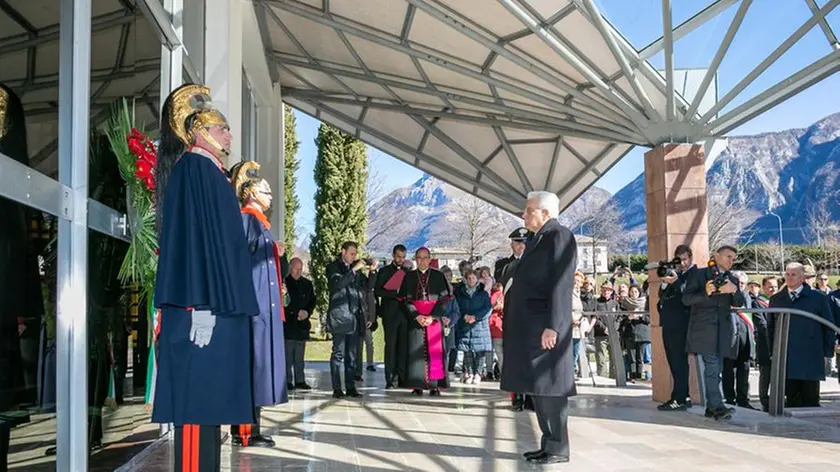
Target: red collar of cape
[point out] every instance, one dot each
(258, 214)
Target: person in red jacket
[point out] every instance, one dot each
(497, 300)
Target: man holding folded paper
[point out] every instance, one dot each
(424, 293)
(387, 290)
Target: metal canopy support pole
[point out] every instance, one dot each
(71, 322)
(561, 49)
(769, 60)
(778, 93)
(603, 28)
(686, 27)
(668, 40)
(711, 72)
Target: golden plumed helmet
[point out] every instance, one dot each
(191, 113)
(4, 110)
(244, 178)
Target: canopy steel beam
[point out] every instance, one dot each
(465, 154)
(554, 43)
(303, 50)
(668, 41)
(719, 55)
(639, 63)
(15, 16)
(403, 148)
(769, 60)
(265, 36)
(552, 168)
(170, 36)
(686, 27)
(592, 164)
(826, 28)
(531, 92)
(50, 33)
(415, 109)
(514, 161)
(161, 21)
(604, 134)
(99, 75)
(579, 157)
(778, 93)
(500, 50)
(606, 33)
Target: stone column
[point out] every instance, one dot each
(675, 195)
(223, 64)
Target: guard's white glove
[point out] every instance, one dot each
(201, 330)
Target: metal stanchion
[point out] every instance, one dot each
(616, 353)
(778, 366)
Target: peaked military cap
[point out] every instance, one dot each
(521, 234)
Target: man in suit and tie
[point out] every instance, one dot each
(538, 326)
(809, 342)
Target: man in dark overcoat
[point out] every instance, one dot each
(345, 316)
(503, 273)
(809, 342)
(711, 293)
(538, 326)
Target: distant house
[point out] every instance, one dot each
(591, 257)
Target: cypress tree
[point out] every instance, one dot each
(292, 163)
(340, 210)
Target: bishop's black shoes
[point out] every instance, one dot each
(546, 458)
(417, 392)
(434, 392)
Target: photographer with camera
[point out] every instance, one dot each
(673, 317)
(711, 293)
(346, 316)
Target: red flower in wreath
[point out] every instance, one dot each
(144, 150)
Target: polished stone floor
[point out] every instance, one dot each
(471, 428)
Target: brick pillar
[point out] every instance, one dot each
(675, 195)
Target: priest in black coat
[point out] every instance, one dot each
(390, 311)
(425, 349)
(538, 326)
(204, 288)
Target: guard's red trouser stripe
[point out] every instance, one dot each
(189, 449)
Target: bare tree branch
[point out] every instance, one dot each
(729, 221)
(480, 235)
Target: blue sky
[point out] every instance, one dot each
(767, 24)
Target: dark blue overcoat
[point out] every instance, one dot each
(809, 342)
(203, 264)
(473, 337)
(269, 351)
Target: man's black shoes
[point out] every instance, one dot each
(338, 394)
(353, 393)
(302, 386)
(673, 405)
(546, 458)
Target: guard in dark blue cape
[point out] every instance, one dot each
(204, 290)
(268, 270)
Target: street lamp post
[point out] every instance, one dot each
(781, 241)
